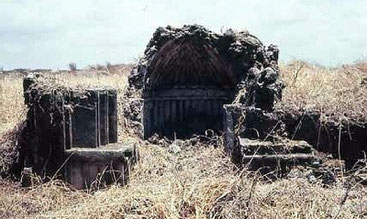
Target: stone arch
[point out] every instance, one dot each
(187, 64)
(186, 85)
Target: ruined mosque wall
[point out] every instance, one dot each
(191, 72)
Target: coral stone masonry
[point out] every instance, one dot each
(73, 133)
(187, 74)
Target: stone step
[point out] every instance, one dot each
(254, 162)
(104, 165)
(249, 147)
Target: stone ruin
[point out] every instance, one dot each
(189, 73)
(345, 140)
(191, 79)
(73, 133)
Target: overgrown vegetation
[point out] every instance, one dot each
(198, 181)
(12, 109)
(339, 93)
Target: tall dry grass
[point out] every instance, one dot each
(339, 93)
(198, 182)
(12, 109)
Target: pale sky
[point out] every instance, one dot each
(51, 33)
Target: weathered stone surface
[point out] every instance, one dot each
(255, 154)
(95, 167)
(241, 49)
(44, 128)
(280, 161)
(262, 89)
(103, 117)
(59, 119)
(85, 130)
(188, 73)
(115, 151)
(112, 116)
(249, 122)
(323, 135)
(270, 148)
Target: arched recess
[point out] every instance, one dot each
(186, 85)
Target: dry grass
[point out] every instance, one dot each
(12, 109)
(16, 202)
(163, 185)
(198, 182)
(88, 78)
(339, 93)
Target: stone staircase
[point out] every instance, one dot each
(268, 156)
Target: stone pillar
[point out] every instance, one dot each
(181, 110)
(68, 127)
(103, 117)
(228, 126)
(147, 118)
(173, 110)
(155, 115)
(161, 116)
(167, 111)
(112, 116)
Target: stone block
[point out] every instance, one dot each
(281, 161)
(104, 165)
(77, 128)
(268, 156)
(94, 119)
(269, 148)
(84, 126)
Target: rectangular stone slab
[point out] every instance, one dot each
(110, 163)
(85, 121)
(254, 162)
(250, 147)
(116, 151)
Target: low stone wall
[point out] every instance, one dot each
(347, 140)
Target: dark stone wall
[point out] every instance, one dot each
(192, 60)
(59, 119)
(182, 117)
(323, 135)
(45, 128)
